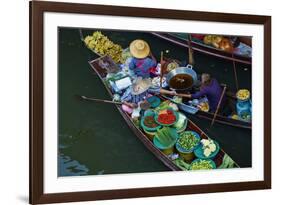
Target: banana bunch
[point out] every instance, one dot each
(100, 44)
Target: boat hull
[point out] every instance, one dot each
(142, 137)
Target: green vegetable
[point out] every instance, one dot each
(227, 162)
(201, 164)
(182, 164)
(181, 121)
(188, 140)
(163, 105)
(165, 136)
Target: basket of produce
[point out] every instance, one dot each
(243, 95)
(207, 149)
(187, 142)
(166, 117)
(165, 139)
(204, 106)
(154, 101)
(181, 124)
(218, 42)
(99, 43)
(149, 125)
(202, 164)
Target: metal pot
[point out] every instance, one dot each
(187, 72)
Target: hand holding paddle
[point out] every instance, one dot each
(174, 93)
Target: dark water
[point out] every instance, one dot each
(94, 138)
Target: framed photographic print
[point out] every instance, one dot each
(135, 102)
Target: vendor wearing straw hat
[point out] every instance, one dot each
(143, 62)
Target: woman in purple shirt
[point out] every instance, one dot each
(143, 63)
(211, 89)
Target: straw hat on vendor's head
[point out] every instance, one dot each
(139, 48)
(140, 86)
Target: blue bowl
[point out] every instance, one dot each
(181, 149)
(199, 152)
(154, 101)
(150, 129)
(211, 161)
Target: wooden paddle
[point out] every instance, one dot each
(235, 73)
(218, 107)
(190, 51)
(168, 92)
(161, 69)
(131, 105)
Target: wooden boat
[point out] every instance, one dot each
(206, 49)
(210, 115)
(102, 72)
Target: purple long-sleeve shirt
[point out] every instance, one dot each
(213, 92)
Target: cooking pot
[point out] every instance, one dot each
(181, 78)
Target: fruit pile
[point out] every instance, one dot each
(243, 94)
(219, 42)
(100, 44)
(204, 106)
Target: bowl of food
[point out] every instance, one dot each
(154, 101)
(187, 142)
(148, 123)
(243, 94)
(166, 117)
(204, 106)
(202, 164)
(181, 78)
(165, 139)
(207, 149)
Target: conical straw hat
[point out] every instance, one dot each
(139, 48)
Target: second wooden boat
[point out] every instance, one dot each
(203, 48)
